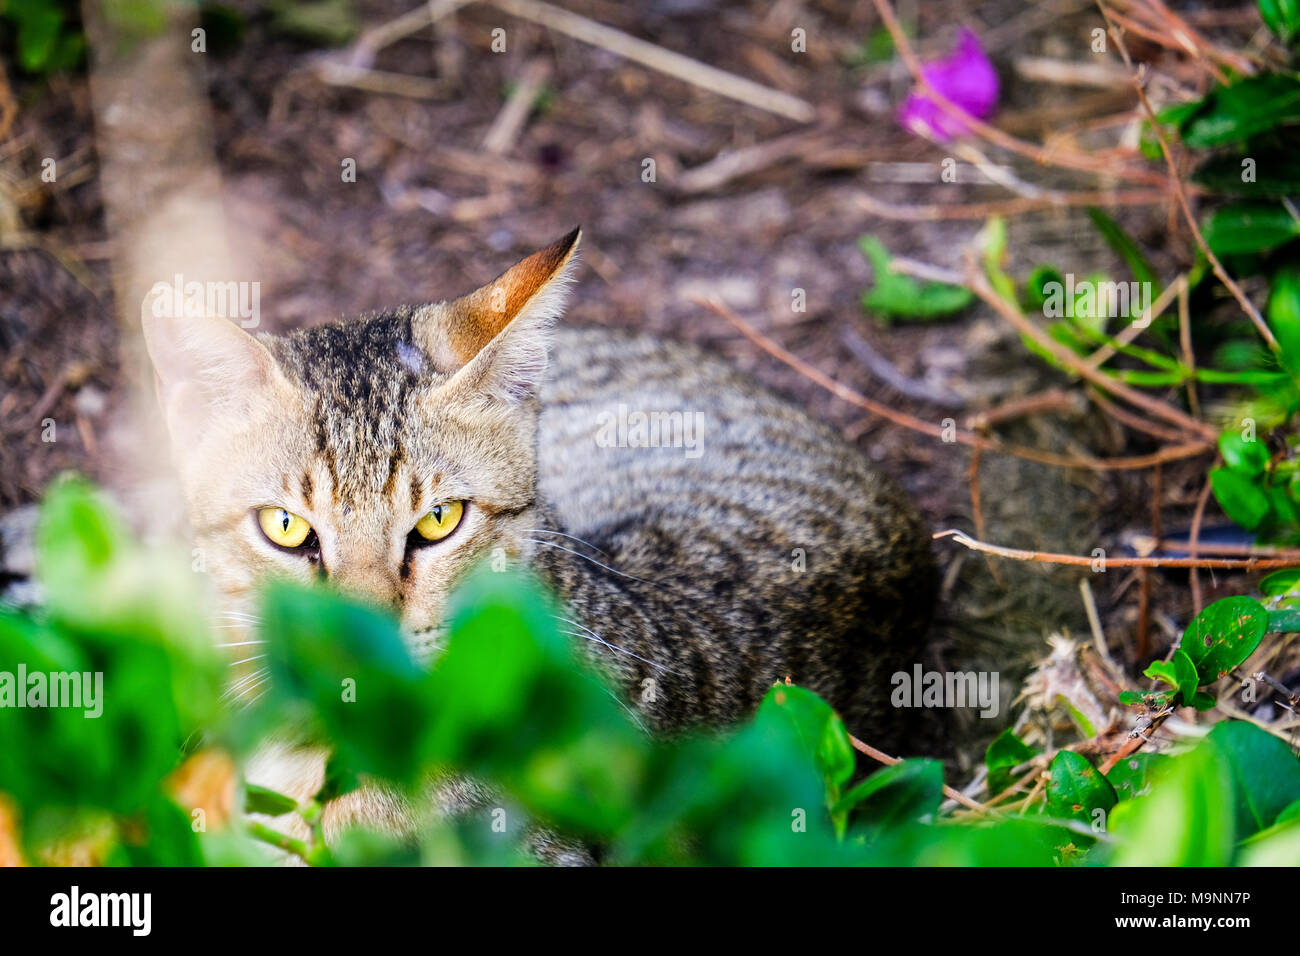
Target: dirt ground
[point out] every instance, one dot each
(432, 215)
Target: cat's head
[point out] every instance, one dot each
(385, 454)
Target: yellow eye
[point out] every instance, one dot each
(283, 527)
(441, 521)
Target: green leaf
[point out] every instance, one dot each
(1278, 846)
(1282, 17)
(907, 790)
(511, 701)
(120, 636)
(1290, 812)
(1247, 457)
(347, 665)
(1284, 316)
(38, 35)
(1265, 173)
(1041, 280)
(1284, 620)
(1179, 672)
(1162, 671)
(161, 835)
(1186, 819)
(1132, 776)
(1278, 583)
(1235, 113)
(823, 736)
(994, 236)
(1239, 229)
(1265, 773)
(1126, 248)
(1077, 790)
(1240, 498)
(328, 22)
(1153, 701)
(1282, 510)
(1006, 752)
(268, 802)
(902, 297)
(1223, 635)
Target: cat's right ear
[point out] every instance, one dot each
(203, 366)
(494, 341)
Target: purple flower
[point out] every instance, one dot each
(967, 78)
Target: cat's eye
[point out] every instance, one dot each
(441, 521)
(283, 528)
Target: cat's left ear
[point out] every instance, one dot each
(495, 339)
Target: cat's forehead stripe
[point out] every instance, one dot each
(390, 483)
(359, 375)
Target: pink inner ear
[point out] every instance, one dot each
(186, 411)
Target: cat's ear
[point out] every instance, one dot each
(494, 340)
(203, 367)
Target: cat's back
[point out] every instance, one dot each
(634, 425)
(755, 523)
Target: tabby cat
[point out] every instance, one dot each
(704, 534)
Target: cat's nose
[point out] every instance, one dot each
(372, 583)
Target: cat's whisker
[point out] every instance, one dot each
(636, 717)
(579, 554)
(237, 616)
(244, 700)
(245, 704)
(240, 685)
(238, 643)
(597, 639)
(255, 657)
(571, 537)
(593, 636)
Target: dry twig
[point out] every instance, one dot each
(657, 58)
(1084, 561)
(949, 792)
(957, 435)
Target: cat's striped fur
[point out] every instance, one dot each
(778, 552)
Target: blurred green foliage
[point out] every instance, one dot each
(45, 35)
(510, 703)
(894, 296)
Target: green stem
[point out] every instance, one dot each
(281, 841)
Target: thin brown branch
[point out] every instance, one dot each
(657, 58)
(1194, 537)
(976, 507)
(978, 284)
(1176, 26)
(1135, 743)
(8, 105)
(1125, 417)
(957, 435)
(1169, 42)
(881, 757)
(1087, 561)
(1007, 207)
